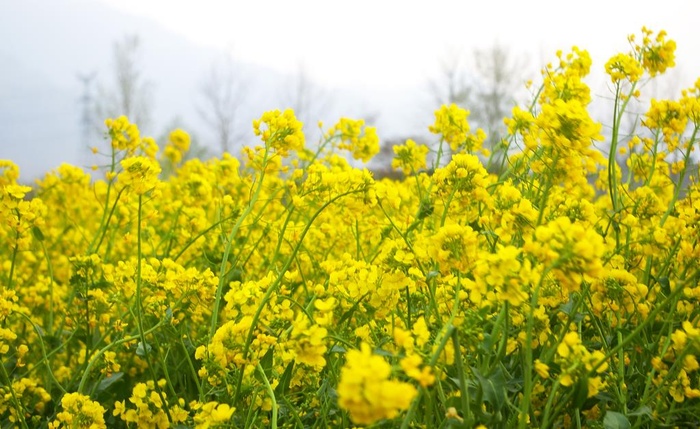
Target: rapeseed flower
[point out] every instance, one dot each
(280, 131)
(367, 391)
(79, 412)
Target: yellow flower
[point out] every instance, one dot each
(410, 157)
(124, 134)
(657, 54)
(79, 412)
(309, 343)
(211, 414)
(178, 144)
(280, 131)
(693, 332)
(9, 172)
(690, 363)
(140, 174)
(624, 66)
(542, 369)
(452, 125)
(362, 141)
(366, 390)
(411, 366)
(421, 332)
(452, 414)
(679, 339)
(504, 273)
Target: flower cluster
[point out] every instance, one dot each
(410, 157)
(280, 131)
(367, 391)
(79, 412)
(360, 140)
(287, 288)
(576, 361)
(178, 144)
(140, 174)
(149, 408)
(452, 125)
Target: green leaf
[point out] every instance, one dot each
(286, 378)
(141, 351)
(267, 360)
(337, 349)
(432, 275)
(36, 232)
(107, 382)
(615, 420)
(380, 352)
(266, 365)
(580, 392)
(641, 411)
(493, 388)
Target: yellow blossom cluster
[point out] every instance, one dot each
(367, 391)
(178, 144)
(410, 157)
(79, 412)
(451, 123)
(148, 407)
(280, 131)
(576, 360)
(284, 287)
(360, 140)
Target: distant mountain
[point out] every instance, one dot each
(48, 44)
(51, 44)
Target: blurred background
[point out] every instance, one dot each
(211, 67)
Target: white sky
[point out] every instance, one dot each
(392, 43)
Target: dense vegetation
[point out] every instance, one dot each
(286, 288)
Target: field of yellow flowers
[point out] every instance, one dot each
(286, 288)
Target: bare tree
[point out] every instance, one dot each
(488, 85)
(306, 97)
(224, 91)
(499, 80)
(453, 83)
(131, 93)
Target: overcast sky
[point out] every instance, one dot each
(390, 42)
(374, 57)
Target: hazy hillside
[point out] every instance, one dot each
(47, 45)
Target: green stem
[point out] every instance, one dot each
(12, 266)
(524, 410)
(96, 356)
(270, 392)
(449, 328)
(44, 356)
(51, 285)
(464, 389)
(229, 244)
(139, 311)
(196, 237)
(550, 401)
(618, 111)
(651, 318)
(275, 285)
(681, 178)
(15, 401)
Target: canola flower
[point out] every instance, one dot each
(79, 412)
(367, 391)
(286, 288)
